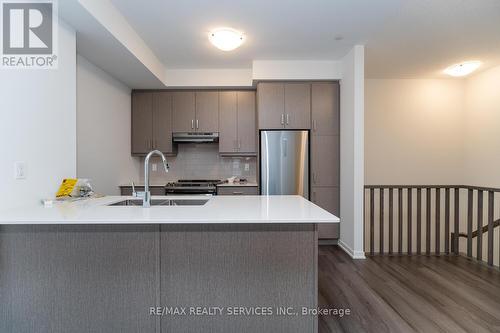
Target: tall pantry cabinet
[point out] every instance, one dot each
(325, 152)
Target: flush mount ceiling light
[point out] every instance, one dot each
(226, 39)
(463, 68)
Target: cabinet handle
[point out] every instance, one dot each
(239, 144)
(192, 123)
(314, 177)
(238, 193)
(197, 124)
(287, 118)
(282, 119)
(314, 125)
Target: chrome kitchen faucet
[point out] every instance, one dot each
(146, 199)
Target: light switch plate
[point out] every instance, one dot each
(154, 167)
(19, 170)
(247, 167)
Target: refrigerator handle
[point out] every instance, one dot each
(285, 147)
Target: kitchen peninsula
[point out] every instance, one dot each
(92, 265)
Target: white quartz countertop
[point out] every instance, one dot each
(218, 209)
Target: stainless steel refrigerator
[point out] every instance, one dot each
(284, 162)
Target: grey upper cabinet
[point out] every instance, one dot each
(142, 120)
(228, 120)
(237, 122)
(247, 133)
(151, 122)
(325, 160)
(325, 108)
(271, 105)
(207, 111)
(297, 105)
(162, 121)
(284, 105)
(183, 111)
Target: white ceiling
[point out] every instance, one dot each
(403, 38)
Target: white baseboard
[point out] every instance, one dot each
(353, 254)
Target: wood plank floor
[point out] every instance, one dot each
(407, 294)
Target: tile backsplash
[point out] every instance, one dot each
(201, 161)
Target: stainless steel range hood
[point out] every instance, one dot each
(195, 137)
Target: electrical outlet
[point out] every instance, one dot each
(20, 170)
(154, 167)
(247, 167)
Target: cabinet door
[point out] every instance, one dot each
(298, 105)
(237, 190)
(246, 122)
(162, 122)
(183, 111)
(228, 135)
(328, 199)
(207, 111)
(142, 120)
(325, 160)
(270, 105)
(325, 108)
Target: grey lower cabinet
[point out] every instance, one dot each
(284, 105)
(237, 123)
(106, 278)
(327, 198)
(151, 122)
(235, 265)
(154, 189)
(78, 278)
(237, 190)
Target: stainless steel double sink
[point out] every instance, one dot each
(162, 202)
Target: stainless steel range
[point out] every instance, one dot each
(192, 187)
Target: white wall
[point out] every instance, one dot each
(103, 129)
(414, 131)
(351, 152)
(434, 132)
(37, 126)
(296, 70)
(482, 129)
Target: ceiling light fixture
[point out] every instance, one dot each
(463, 68)
(226, 39)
